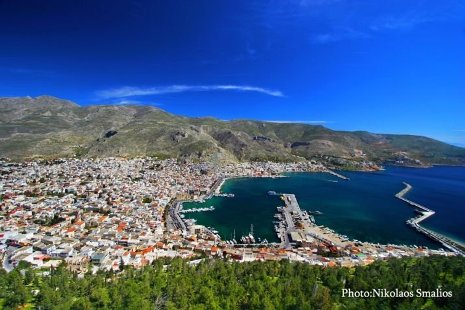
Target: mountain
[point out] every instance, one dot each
(48, 127)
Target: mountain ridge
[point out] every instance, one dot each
(49, 127)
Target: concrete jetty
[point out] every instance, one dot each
(425, 213)
(211, 208)
(337, 175)
(297, 226)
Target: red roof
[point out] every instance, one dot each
(147, 250)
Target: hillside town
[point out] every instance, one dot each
(104, 214)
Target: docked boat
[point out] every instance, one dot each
(251, 238)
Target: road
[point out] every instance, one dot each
(7, 266)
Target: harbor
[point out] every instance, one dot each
(295, 227)
(425, 213)
(255, 201)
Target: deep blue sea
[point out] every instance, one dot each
(363, 208)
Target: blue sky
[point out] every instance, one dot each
(395, 66)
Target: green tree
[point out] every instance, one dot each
(100, 298)
(81, 303)
(16, 292)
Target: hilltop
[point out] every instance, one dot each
(49, 127)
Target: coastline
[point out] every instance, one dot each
(217, 189)
(157, 195)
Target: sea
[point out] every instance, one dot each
(363, 208)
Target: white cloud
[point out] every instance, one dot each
(126, 101)
(339, 35)
(127, 91)
(402, 22)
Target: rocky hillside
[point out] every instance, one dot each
(48, 127)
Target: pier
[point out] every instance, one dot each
(297, 226)
(337, 175)
(425, 213)
(211, 208)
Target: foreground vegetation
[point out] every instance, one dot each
(215, 284)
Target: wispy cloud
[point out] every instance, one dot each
(422, 13)
(126, 101)
(133, 102)
(298, 122)
(128, 91)
(401, 22)
(331, 21)
(339, 35)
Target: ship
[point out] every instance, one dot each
(229, 195)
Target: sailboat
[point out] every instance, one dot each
(251, 237)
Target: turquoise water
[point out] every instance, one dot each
(363, 208)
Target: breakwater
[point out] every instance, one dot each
(425, 213)
(338, 175)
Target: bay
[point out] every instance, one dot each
(363, 208)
